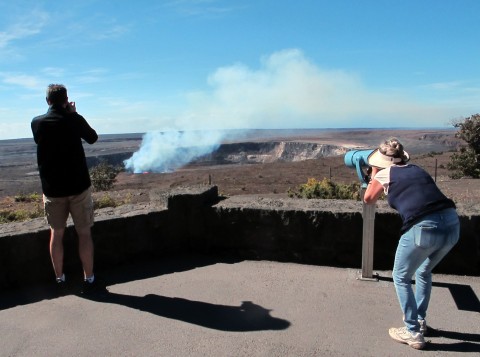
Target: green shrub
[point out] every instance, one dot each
(327, 189)
(104, 201)
(32, 197)
(8, 216)
(103, 176)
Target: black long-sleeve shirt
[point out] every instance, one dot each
(60, 155)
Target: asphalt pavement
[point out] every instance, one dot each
(200, 306)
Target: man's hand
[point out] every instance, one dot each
(71, 107)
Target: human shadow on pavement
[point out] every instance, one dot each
(246, 317)
(161, 266)
(466, 342)
(466, 300)
(463, 295)
(115, 275)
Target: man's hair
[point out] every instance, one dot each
(57, 93)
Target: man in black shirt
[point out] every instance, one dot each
(65, 178)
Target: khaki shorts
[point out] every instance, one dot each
(79, 206)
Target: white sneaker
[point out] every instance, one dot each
(423, 327)
(402, 335)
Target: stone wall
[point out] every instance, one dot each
(326, 232)
(196, 219)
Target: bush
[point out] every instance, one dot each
(8, 216)
(32, 207)
(103, 176)
(32, 197)
(105, 201)
(326, 189)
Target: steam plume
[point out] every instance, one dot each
(287, 91)
(169, 150)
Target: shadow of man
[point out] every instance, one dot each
(246, 317)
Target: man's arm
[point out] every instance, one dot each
(86, 132)
(34, 126)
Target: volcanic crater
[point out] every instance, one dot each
(265, 162)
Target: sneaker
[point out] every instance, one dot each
(423, 327)
(61, 288)
(96, 288)
(402, 335)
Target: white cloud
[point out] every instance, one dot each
(21, 128)
(199, 7)
(24, 26)
(22, 80)
(94, 75)
(444, 85)
(109, 32)
(54, 72)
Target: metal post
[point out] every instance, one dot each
(367, 239)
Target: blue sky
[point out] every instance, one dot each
(141, 66)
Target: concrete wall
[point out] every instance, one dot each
(323, 232)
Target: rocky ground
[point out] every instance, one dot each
(280, 177)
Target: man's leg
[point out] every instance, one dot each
(85, 249)
(56, 250)
(81, 209)
(56, 212)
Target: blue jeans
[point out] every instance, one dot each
(419, 250)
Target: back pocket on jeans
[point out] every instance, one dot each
(425, 235)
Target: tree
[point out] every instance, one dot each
(466, 161)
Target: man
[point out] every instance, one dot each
(65, 180)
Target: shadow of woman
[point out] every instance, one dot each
(466, 342)
(246, 317)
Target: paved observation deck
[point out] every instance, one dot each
(195, 305)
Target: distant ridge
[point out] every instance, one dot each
(262, 132)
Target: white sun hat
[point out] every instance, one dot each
(377, 159)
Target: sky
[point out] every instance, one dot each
(150, 65)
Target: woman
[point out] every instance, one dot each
(430, 229)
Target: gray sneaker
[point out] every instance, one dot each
(402, 335)
(423, 327)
